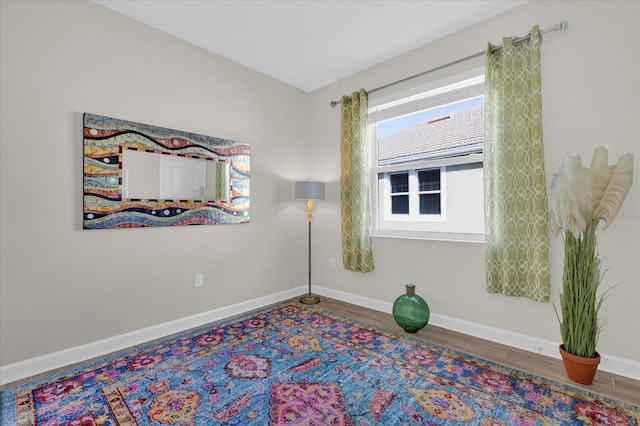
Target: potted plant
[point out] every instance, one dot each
(580, 198)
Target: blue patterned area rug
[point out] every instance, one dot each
(292, 364)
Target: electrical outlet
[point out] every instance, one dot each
(199, 280)
(332, 264)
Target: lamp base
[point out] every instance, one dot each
(309, 300)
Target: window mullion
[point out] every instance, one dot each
(414, 198)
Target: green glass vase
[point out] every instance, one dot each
(410, 311)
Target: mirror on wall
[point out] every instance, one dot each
(138, 175)
(156, 176)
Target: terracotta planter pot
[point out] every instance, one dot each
(579, 369)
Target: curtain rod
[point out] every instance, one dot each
(561, 26)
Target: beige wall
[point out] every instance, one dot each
(61, 286)
(591, 93)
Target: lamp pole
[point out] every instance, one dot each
(309, 299)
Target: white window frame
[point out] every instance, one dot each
(446, 91)
(384, 188)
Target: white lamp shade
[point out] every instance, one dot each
(309, 190)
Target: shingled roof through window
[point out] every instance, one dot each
(458, 132)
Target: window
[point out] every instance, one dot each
(427, 162)
(419, 189)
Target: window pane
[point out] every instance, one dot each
(400, 204)
(429, 203)
(399, 182)
(449, 130)
(429, 180)
(427, 156)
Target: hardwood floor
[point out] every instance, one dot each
(607, 384)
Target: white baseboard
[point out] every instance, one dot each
(31, 367)
(49, 362)
(612, 364)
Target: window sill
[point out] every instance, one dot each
(431, 236)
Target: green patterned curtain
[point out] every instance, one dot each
(354, 184)
(516, 215)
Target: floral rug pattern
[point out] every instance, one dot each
(297, 365)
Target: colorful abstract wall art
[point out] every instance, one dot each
(138, 175)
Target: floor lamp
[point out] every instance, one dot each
(309, 190)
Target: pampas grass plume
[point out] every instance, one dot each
(571, 197)
(580, 195)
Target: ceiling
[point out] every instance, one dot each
(309, 44)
